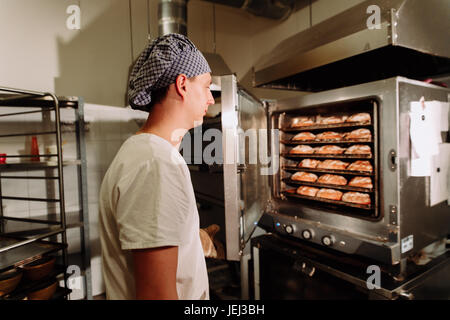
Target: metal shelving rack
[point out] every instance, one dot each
(22, 241)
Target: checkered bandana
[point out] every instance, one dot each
(159, 65)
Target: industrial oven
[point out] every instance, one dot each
(331, 169)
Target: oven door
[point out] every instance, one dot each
(247, 165)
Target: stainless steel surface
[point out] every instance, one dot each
(230, 176)
(217, 64)
(277, 10)
(172, 17)
(421, 26)
(377, 238)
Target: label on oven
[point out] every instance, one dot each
(407, 243)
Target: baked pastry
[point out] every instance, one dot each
(307, 191)
(359, 149)
(302, 149)
(329, 135)
(330, 194)
(360, 165)
(356, 197)
(302, 122)
(332, 179)
(304, 176)
(304, 136)
(361, 182)
(358, 134)
(329, 149)
(309, 163)
(332, 165)
(360, 117)
(332, 120)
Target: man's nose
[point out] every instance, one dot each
(211, 99)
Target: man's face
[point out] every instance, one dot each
(199, 97)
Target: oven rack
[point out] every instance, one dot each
(326, 156)
(331, 171)
(330, 186)
(327, 126)
(322, 200)
(293, 142)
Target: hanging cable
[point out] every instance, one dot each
(131, 31)
(214, 27)
(149, 37)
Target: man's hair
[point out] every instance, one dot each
(158, 96)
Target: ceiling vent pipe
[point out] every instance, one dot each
(172, 17)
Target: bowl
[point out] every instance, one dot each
(43, 293)
(9, 281)
(39, 269)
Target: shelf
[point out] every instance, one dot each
(26, 253)
(327, 126)
(326, 156)
(315, 170)
(16, 100)
(322, 200)
(40, 224)
(26, 286)
(330, 186)
(35, 165)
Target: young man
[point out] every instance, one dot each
(149, 225)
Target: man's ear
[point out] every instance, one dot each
(180, 85)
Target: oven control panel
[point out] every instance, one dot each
(301, 229)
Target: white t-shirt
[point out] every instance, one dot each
(147, 201)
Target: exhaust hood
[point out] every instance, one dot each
(411, 39)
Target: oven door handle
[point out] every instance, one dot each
(304, 268)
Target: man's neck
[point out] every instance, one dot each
(164, 129)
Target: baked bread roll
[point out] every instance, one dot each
(309, 163)
(359, 149)
(332, 179)
(304, 136)
(329, 149)
(360, 165)
(329, 135)
(360, 117)
(359, 134)
(302, 149)
(330, 194)
(332, 165)
(304, 176)
(332, 120)
(307, 191)
(361, 182)
(356, 197)
(302, 122)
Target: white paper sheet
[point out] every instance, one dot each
(439, 179)
(425, 133)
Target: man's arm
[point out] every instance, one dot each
(155, 273)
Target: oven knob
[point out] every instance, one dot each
(289, 229)
(307, 234)
(328, 241)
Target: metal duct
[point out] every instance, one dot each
(273, 9)
(172, 17)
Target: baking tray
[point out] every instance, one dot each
(331, 171)
(327, 126)
(296, 142)
(326, 156)
(322, 200)
(26, 253)
(329, 186)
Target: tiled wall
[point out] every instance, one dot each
(108, 127)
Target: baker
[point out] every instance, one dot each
(149, 224)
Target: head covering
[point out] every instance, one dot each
(159, 65)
